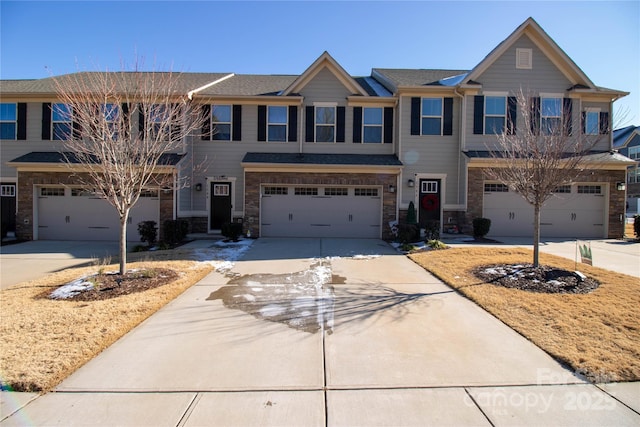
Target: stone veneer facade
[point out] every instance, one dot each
(254, 181)
(616, 208)
(27, 181)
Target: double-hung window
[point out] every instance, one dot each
(325, 124)
(495, 114)
(8, 121)
(160, 118)
(277, 123)
(372, 124)
(61, 122)
(634, 152)
(551, 116)
(431, 116)
(592, 122)
(221, 122)
(111, 114)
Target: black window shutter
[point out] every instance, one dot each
(293, 123)
(125, 115)
(357, 124)
(447, 119)
(340, 119)
(535, 115)
(22, 121)
(584, 122)
(388, 125)
(141, 121)
(262, 122)
(604, 123)
(309, 123)
(46, 121)
(478, 114)
(512, 115)
(415, 116)
(175, 128)
(236, 132)
(567, 116)
(206, 123)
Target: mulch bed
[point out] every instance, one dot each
(544, 278)
(112, 285)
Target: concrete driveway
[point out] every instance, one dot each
(321, 332)
(21, 262)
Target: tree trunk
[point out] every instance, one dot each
(536, 235)
(123, 242)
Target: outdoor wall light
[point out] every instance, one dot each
(198, 187)
(411, 183)
(621, 186)
(392, 188)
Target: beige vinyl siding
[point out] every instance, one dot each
(429, 154)
(503, 76)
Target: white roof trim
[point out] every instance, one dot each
(215, 82)
(325, 60)
(531, 26)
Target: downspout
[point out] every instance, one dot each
(401, 179)
(461, 139)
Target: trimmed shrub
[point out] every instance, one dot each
(636, 225)
(411, 214)
(432, 230)
(481, 227)
(148, 232)
(175, 231)
(408, 233)
(232, 230)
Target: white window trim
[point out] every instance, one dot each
(214, 123)
(544, 95)
(53, 121)
(8, 190)
(381, 126)
(333, 105)
(526, 53)
(441, 116)
(285, 124)
(504, 95)
(15, 132)
(593, 110)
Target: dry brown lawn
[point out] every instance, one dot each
(597, 334)
(42, 341)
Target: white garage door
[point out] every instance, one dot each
(76, 214)
(321, 212)
(573, 211)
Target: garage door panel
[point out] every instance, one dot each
(336, 215)
(79, 216)
(568, 214)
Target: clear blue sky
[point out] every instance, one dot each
(39, 39)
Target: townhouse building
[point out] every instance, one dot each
(328, 154)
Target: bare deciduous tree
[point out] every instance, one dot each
(542, 153)
(127, 134)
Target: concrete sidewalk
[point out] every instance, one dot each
(339, 333)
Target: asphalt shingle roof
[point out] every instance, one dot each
(323, 159)
(419, 77)
(167, 159)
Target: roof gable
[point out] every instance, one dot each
(546, 44)
(626, 137)
(325, 61)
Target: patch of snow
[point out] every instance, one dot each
(366, 257)
(556, 283)
(72, 289)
